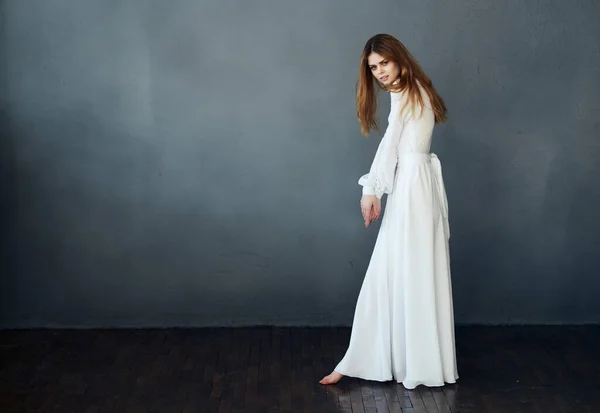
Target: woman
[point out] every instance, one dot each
(403, 327)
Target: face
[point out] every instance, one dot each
(385, 71)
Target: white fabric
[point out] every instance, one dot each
(403, 327)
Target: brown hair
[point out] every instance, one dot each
(411, 76)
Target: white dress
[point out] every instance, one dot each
(403, 327)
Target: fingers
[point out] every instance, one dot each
(372, 216)
(375, 212)
(365, 214)
(371, 211)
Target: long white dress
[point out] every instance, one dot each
(403, 326)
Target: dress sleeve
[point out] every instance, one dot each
(380, 178)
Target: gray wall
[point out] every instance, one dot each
(195, 162)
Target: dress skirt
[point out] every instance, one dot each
(403, 326)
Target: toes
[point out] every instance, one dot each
(325, 380)
(330, 379)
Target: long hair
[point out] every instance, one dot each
(411, 76)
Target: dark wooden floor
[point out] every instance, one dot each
(525, 369)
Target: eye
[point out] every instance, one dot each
(384, 63)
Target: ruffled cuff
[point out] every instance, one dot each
(368, 190)
(369, 187)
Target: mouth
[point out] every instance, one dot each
(384, 78)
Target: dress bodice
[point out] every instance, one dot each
(409, 131)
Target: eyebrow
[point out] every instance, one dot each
(381, 61)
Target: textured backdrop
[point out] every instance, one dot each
(195, 162)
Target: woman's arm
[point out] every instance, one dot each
(380, 178)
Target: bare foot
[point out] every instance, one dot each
(333, 378)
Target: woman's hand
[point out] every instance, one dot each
(370, 207)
